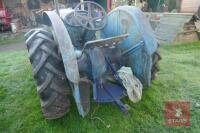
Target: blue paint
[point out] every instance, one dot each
(77, 97)
(135, 52)
(133, 49)
(131, 20)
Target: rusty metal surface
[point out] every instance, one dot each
(106, 43)
(65, 45)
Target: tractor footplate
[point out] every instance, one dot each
(107, 92)
(106, 43)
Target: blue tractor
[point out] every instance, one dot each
(81, 49)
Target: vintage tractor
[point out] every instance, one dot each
(83, 48)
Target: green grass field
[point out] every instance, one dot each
(13, 40)
(179, 79)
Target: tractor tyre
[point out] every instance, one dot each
(155, 67)
(48, 71)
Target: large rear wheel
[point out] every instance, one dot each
(48, 71)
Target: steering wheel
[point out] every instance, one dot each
(94, 16)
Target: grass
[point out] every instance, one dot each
(13, 40)
(178, 80)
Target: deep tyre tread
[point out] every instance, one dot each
(48, 71)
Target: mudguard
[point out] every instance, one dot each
(69, 60)
(138, 48)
